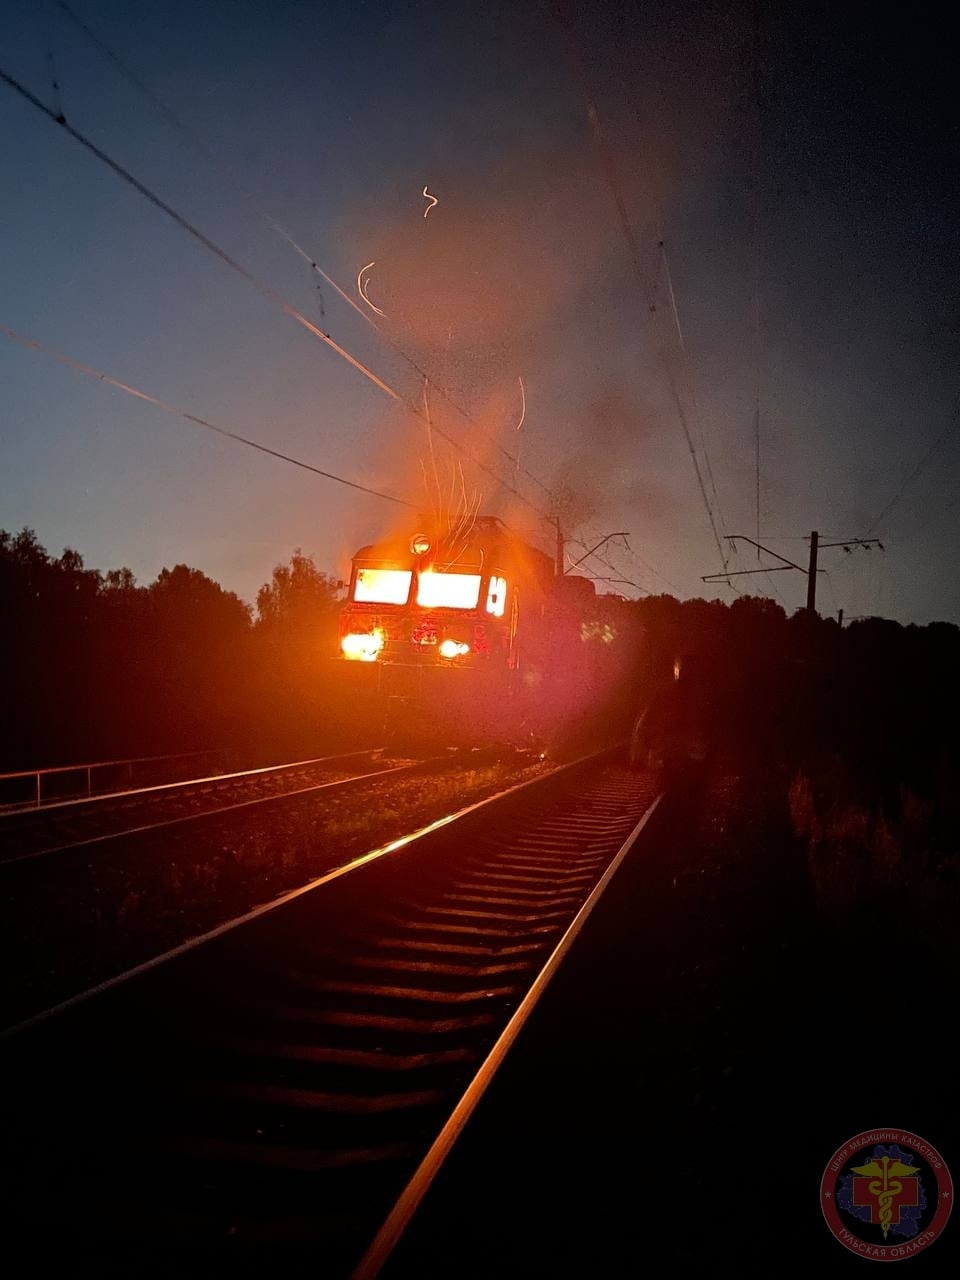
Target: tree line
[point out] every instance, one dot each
(96, 666)
(877, 700)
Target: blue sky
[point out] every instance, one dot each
(334, 117)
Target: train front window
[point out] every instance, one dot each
(448, 590)
(382, 586)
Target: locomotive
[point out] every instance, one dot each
(468, 635)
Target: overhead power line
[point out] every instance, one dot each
(758, 253)
(590, 550)
(810, 572)
(264, 289)
(693, 392)
(634, 252)
(595, 555)
(194, 419)
(194, 141)
(90, 372)
(273, 296)
(227, 176)
(682, 415)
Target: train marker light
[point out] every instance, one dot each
(362, 646)
(453, 649)
(496, 597)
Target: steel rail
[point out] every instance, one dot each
(228, 926)
(396, 1222)
(294, 1078)
(88, 768)
(274, 798)
(29, 810)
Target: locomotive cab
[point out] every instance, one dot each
(471, 636)
(432, 602)
(445, 626)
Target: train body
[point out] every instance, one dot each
(426, 601)
(467, 637)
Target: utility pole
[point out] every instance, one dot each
(840, 619)
(816, 546)
(559, 560)
(812, 574)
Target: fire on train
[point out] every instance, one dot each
(473, 636)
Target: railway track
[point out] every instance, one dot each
(281, 1091)
(56, 828)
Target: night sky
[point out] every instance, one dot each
(801, 168)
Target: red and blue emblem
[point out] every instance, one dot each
(886, 1194)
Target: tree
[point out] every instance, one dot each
(296, 634)
(119, 580)
(190, 599)
(298, 596)
(198, 659)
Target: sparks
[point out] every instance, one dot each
(429, 197)
(361, 288)
(523, 404)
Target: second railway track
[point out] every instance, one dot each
(266, 1096)
(34, 833)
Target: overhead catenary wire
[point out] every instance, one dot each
(758, 159)
(693, 396)
(211, 246)
(634, 253)
(628, 550)
(239, 187)
(698, 417)
(650, 568)
(681, 413)
(639, 560)
(265, 289)
(193, 140)
(770, 583)
(594, 555)
(55, 85)
(130, 390)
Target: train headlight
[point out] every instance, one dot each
(362, 646)
(453, 648)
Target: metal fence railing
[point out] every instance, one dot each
(33, 788)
